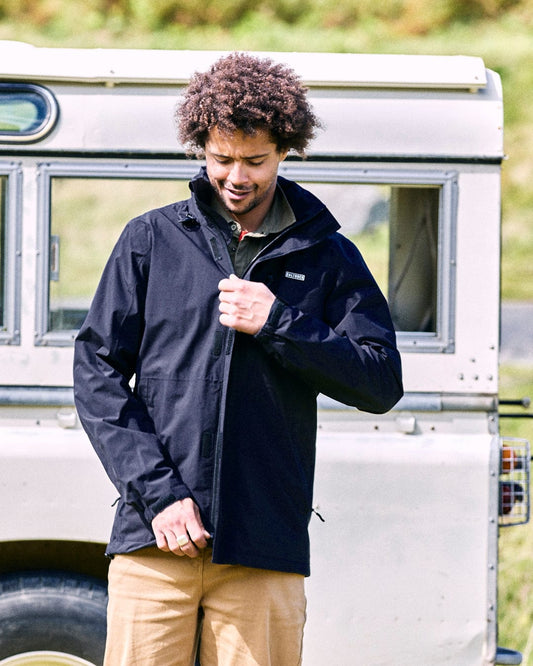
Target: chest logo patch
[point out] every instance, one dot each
(295, 276)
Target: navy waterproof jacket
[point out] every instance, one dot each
(226, 418)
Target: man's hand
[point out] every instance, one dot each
(244, 305)
(179, 529)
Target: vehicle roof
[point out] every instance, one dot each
(114, 66)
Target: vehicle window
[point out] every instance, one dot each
(27, 112)
(87, 216)
(398, 229)
(363, 212)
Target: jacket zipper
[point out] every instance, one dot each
(219, 440)
(219, 247)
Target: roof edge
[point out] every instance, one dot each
(22, 61)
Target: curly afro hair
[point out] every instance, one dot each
(246, 93)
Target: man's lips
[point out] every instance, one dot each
(237, 194)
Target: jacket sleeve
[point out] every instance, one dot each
(105, 356)
(348, 353)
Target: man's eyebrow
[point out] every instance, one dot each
(245, 157)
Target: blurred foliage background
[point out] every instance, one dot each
(500, 31)
(405, 16)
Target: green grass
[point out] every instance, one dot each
(515, 609)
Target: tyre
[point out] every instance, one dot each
(52, 619)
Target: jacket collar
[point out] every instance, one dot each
(313, 219)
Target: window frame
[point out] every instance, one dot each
(183, 170)
(10, 327)
(47, 124)
(441, 341)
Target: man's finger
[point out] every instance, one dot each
(231, 283)
(161, 542)
(185, 548)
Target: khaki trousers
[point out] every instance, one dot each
(162, 605)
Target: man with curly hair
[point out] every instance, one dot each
(233, 310)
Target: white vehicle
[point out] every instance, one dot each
(404, 566)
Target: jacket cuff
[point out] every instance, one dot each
(152, 510)
(162, 503)
(272, 323)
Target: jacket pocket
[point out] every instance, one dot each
(183, 409)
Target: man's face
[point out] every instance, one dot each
(243, 170)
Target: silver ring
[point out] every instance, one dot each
(182, 540)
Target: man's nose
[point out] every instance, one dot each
(238, 173)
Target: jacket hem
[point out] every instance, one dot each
(270, 564)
